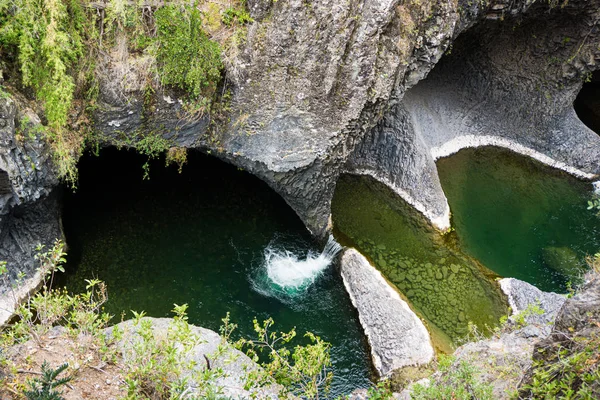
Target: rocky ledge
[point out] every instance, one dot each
(396, 335)
(505, 360)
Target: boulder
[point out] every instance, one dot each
(235, 364)
(565, 261)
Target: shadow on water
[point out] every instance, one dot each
(520, 218)
(201, 237)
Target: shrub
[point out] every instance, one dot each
(188, 59)
(456, 381)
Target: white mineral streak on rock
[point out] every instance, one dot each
(471, 141)
(440, 221)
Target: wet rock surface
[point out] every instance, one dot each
(396, 335)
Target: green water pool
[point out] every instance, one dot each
(446, 287)
(520, 218)
(198, 238)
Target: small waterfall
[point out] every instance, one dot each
(284, 274)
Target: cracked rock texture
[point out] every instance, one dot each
(396, 335)
(28, 205)
(327, 87)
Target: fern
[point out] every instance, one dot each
(43, 388)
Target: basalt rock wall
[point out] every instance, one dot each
(325, 87)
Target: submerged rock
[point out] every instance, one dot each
(565, 261)
(396, 335)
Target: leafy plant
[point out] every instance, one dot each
(567, 370)
(594, 204)
(43, 388)
(302, 372)
(456, 381)
(380, 392)
(236, 16)
(520, 319)
(188, 59)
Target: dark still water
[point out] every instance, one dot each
(520, 218)
(199, 237)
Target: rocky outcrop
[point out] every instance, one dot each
(325, 88)
(501, 360)
(28, 205)
(220, 355)
(522, 297)
(396, 335)
(572, 346)
(501, 85)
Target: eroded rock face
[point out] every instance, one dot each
(328, 86)
(396, 335)
(29, 212)
(540, 308)
(501, 85)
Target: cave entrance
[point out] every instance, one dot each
(199, 237)
(587, 103)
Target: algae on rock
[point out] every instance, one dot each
(449, 289)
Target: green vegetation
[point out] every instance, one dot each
(193, 65)
(520, 319)
(456, 381)
(153, 365)
(569, 370)
(54, 47)
(43, 388)
(568, 365)
(302, 372)
(594, 204)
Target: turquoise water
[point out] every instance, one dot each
(199, 238)
(520, 218)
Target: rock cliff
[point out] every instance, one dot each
(320, 88)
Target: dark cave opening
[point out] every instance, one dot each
(587, 103)
(200, 237)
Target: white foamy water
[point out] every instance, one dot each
(285, 272)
